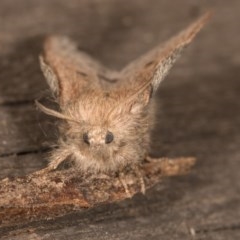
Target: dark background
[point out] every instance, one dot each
(198, 113)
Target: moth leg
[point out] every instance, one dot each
(150, 159)
(122, 180)
(140, 178)
(57, 157)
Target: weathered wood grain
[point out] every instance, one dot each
(24, 129)
(21, 165)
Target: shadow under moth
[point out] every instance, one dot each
(106, 117)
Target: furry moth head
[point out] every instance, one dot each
(106, 114)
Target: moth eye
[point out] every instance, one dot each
(109, 137)
(86, 138)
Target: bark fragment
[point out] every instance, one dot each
(46, 194)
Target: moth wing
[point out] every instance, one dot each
(153, 67)
(67, 70)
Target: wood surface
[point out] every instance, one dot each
(198, 113)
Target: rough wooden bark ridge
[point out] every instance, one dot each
(46, 194)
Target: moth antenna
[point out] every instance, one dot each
(135, 93)
(132, 96)
(52, 112)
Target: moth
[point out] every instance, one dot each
(106, 115)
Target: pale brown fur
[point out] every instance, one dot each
(95, 113)
(94, 101)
